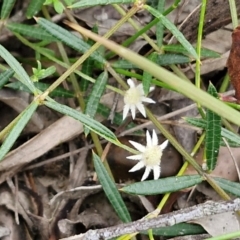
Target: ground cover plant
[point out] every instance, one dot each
(119, 119)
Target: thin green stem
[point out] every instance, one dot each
(234, 15)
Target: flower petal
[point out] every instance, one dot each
(154, 138)
(140, 89)
(138, 146)
(125, 111)
(151, 89)
(146, 173)
(131, 83)
(156, 172)
(141, 109)
(133, 111)
(164, 145)
(146, 99)
(135, 157)
(138, 166)
(148, 139)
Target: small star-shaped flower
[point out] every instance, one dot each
(149, 157)
(133, 99)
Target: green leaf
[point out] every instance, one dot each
(168, 59)
(228, 186)
(177, 48)
(213, 133)
(58, 6)
(124, 64)
(7, 7)
(18, 69)
(147, 77)
(57, 92)
(92, 124)
(94, 98)
(173, 29)
(88, 64)
(31, 31)
(24, 118)
(34, 7)
(5, 76)
(68, 38)
(110, 190)
(201, 123)
(164, 185)
(87, 3)
(180, 229)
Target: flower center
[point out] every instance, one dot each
(132, 96)
(152, 156)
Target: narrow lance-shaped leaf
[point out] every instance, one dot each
(147, 77)
(18, 69)
(5, 76)
(68, 38)
(230, 136)
(92, 124)
(229, 186)
(7, 7)
(34, 7)
(177, 48)
(93, 101)
(173, 29)
(172, 58)
(17, 129)
(87, 3)
(163, 185)
(88, 64)
(213, 133)
(31, 31)
(57, 92)
(110, 190)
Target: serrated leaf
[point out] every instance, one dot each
(228, 186)
(168, 59)
(34, 7)
(17, 129)
(87, 3)
(164, 185)
(18, 69)
(57, 92)
(213, 133)
(110, 190)
(92, 124)
(173, 29)
(5, 76)
(147, 77)
(31, 31)
(177, 48)
(94, 98)
(68, 38)
(7, 7)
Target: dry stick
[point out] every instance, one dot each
(202, 210)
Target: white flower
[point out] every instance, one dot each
(150, 156)
(133, 99)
